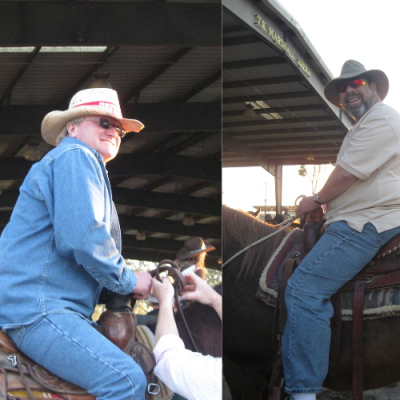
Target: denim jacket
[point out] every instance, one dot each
(63, 242)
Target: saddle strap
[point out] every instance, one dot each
(3, 383)
(358, 339)
(277, 379)
(23, 378)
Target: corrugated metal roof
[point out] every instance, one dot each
(171, 82)
(263, 70)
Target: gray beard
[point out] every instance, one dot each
(359, 111)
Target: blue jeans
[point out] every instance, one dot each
(337, 257)
(71, 348)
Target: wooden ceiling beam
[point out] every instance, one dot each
(109, 23)
(134, 164)
(27, 63)
(263, 134)
(241, 40)
(255, 62)
(268, 97)
(295, 120)
(165, 66)
(261, 82)
(189, 117)
(278, 110)
(201, 86)
(107, 54)
(162, 225)
(165, 201)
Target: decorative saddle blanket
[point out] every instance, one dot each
(382, 294)
(270, 280)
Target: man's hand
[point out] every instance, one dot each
(143, 286)
(164, 292)
(307, 204)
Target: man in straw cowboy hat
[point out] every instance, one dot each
(62, 246)
(362, 197)
(193, 254)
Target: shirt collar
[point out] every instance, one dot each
(70, 140)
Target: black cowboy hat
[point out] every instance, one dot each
(192, 247)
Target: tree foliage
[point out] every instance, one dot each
(312, 176)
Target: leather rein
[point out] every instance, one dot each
(179, 283)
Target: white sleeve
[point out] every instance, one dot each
(191, 375)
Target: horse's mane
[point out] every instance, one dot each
(240, 229)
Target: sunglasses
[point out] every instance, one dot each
(354, 84)
(106, 124)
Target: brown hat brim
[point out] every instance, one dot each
(56, 121)
(183, 254)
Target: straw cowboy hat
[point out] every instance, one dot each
(192, 247)
(352, 69)
(98, 101)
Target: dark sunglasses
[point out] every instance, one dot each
(106, 124)
(354, 84)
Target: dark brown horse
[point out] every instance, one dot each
(248, 343)
(205, 328)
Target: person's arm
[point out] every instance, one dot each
(187, 373)
(143, 285)
(164, 293)
(199, 290)
(338, 182)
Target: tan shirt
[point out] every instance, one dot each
(371, 152)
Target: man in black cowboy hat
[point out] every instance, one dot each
(193, 253)
(362, 198)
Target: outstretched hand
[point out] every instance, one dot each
(143, 286)
(198, 289)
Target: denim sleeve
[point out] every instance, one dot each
(74, 189)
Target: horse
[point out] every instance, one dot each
(249, 347)
(205, 327)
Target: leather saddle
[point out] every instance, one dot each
(21, 378)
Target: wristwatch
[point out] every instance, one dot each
(316, 199)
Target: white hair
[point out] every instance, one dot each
(64, 133)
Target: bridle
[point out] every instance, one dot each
(179, 283)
